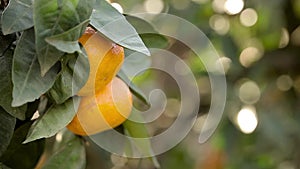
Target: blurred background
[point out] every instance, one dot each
(259, 45)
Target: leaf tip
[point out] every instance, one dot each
(27, 141)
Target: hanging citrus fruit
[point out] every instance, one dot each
(105, 59)
(107, 109)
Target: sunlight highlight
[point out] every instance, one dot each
(233, 7)
(118, 7)
(247, 119)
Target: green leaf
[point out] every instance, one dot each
(66, 136)
(136, 64)
(107, 20)
(7, 126)
(55, 119)
(28, 82)
(139, 130)
(6, 87)
(69, 156)
(148, 33)
(72, 78)
(17, 16)
(140, 25)
(155, 40)
(68, 41)
(54, 17)
(22, 156)
(134, 89)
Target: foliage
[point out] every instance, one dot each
(43, 67)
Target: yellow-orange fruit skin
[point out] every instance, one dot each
(107, 109)
(105, 59)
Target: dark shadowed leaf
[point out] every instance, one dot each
(73, 76)
(71, 155)
(32, 107)
(2, 166)
(29, 153)
(68, 41)
(6, 87)
(114, 25)
(52, 17)
(134, 89)
(55, 119)
(6, 42)
(7, 125)
(17, 16)
(28, 82)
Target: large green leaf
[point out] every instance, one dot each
(136, 64)
(114, 25)
(149, 35)
(68, 41)
(7, 125)
(140, 25)
(139, 130)
(134, 89)
(28, 82)
(22, 156)
(53, 17)
(70, 156)
(17, 16)
(73, 76)
(6, 87)
(55, 119)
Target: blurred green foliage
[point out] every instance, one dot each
(264, 51)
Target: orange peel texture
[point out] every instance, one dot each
(105, 59)
(107, 109)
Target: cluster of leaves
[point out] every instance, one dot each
(42, 68)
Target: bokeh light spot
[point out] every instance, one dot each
(247, 119)
(218, 5)
(295, 36)
(225, 62)
(285, 38)
(219, 23)
(284, 82)
(249, 92)
(250, 55)
(233, 7)
(248, 17)
(154, 6)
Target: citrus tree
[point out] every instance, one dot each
(59, 58)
